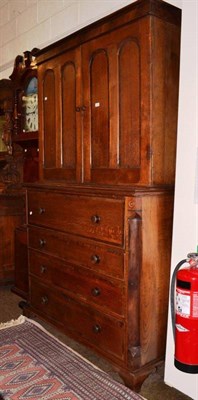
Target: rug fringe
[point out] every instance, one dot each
(13, 322)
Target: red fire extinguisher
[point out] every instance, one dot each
(184, 310)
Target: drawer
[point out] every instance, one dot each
(106, 294)
(89, 326)
(93, 217)
(86, 253)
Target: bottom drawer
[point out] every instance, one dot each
(100, 331)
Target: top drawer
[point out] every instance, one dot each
(97, 218)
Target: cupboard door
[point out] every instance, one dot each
(112, 98)
(60, 119)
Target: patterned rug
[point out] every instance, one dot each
(35, 365)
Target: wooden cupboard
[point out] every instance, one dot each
(11, 216)
(110, 89)
(12, 204)
(100, 216)
(21, 165)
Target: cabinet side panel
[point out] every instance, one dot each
(166, 49)
(8, 223)
(154, 283)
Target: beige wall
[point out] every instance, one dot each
(25, 24)
(185, 228)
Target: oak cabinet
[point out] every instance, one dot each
(11, 216)
(107, 106)
(100, 216)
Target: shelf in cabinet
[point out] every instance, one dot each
(25, 137)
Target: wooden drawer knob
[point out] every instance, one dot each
(95, 219)
(96, 292)
(95, 259)
(41, 210)
(44, 300)
(43, 269)
(97, 328)
(42, 242)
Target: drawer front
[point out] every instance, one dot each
(109, 295)
(78, 251)
(91, 327)
(97, 218)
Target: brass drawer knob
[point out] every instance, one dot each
(96, 328)
(43, 269)
(95, 259)
(41, 210)
(42, 242)
(95, 219)
(96, 292)
(44, 300)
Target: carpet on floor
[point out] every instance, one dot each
(35, 365)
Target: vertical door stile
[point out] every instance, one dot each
(49, 119)
(79, 118)
(40, 121)
(86, 145)
(99, 97)
(58, 122)
(113, 107)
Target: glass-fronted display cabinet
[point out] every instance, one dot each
(11, 200)
(6, 110)
(18, 166)
(25, 114)
(3, 147)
